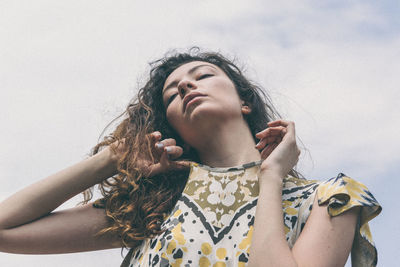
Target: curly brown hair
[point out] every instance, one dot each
(135, 204)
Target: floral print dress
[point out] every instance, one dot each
(212, 222)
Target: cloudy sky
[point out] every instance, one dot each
(68, 67)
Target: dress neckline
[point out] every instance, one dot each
(227, 169)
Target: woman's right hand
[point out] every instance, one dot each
(164, 151)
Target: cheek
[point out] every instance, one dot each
(225, 86)
(172, 114)
(227, 93)
(169, 114)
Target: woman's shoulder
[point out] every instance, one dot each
(344, 189)
(339, 194)
(342, 192)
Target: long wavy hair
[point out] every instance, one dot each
(136, 205)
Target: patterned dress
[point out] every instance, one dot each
(212, 222)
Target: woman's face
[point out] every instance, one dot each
(199, 92)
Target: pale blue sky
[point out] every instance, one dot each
(67, 68)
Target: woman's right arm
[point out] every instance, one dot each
(28, 225)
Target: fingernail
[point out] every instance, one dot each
(159, 145)
(168, 149)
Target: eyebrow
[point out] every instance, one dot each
(175, 83)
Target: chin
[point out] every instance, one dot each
(208, 112)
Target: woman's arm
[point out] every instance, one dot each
(324, 241)
(268, 245)
(28, 226)
(66, 231)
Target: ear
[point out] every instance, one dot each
(246, 110)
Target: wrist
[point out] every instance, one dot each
(106, 162)
(270, 178)
(275, 170)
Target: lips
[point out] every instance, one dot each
(190, 97)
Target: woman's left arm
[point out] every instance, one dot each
(324, 241)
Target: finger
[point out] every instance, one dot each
(265, 141)
(166, 165)
(153, 169)
(288, 124)
(289, 132)
(261, 144)
(179, 165)
(291, 128)
(155, 136)
(266, 152)
(284, 131)
(173, 152)
(268, 140)
(279, 122)
(161, 145)
(170, 153)
(271, 135)
(270, 130)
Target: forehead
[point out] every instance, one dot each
(183, 69)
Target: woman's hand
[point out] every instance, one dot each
(282, 153)
(164, 151)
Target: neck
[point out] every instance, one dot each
(227, 144)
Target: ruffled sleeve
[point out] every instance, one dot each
(342, 193)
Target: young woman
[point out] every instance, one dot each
(199, 173)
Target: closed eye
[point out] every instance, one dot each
(205, 76)
(171, 98)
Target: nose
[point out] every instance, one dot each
(185, 86)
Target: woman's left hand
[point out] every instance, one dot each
(282, 153)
